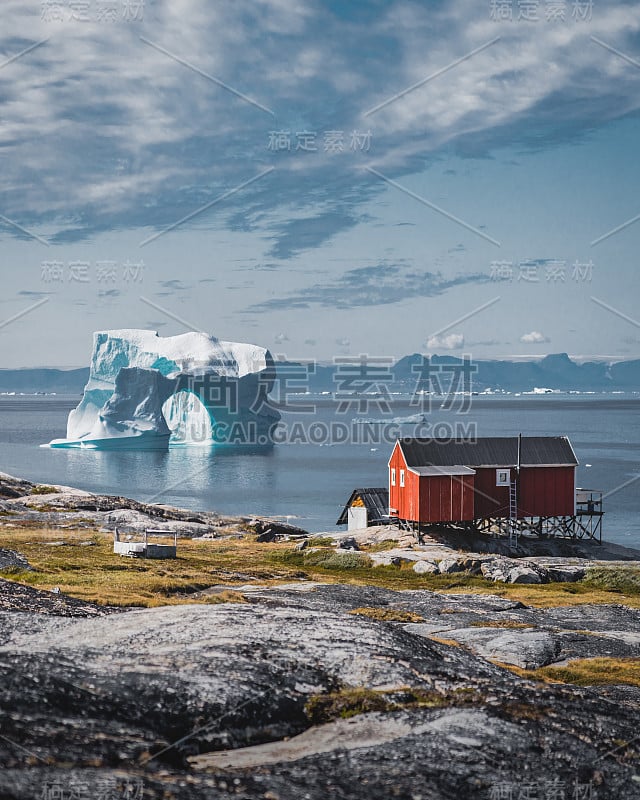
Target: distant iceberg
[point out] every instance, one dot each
(412, 419)
(147, 391)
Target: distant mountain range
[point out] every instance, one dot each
(552, 372)
(30, 381)
(556, 372)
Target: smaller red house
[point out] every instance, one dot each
(446, 481)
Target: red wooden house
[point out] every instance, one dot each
(444, 481)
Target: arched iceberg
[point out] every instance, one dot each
(145, 390)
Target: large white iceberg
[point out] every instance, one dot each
(145, 390)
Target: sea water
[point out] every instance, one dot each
(308, 482)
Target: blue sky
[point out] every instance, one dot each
(379, 177)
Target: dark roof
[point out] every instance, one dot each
(491, 451)
(376, 502)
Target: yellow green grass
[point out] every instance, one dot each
(95, 573)
(595, 672)
(387, 614)
(600, 671)
(443, 640)
(351, 701)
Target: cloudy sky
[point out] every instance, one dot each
(321, 177)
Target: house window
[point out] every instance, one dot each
(393, 476)
(401, 477)
(503, 477)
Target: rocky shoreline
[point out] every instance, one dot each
(534, 561)
(26, 504)
(30, 504)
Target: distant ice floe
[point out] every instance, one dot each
(412, 419)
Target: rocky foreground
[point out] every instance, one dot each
(309, 690)
(249, 700)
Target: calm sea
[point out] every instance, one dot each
(310, 482)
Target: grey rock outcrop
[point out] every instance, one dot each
(348, 544)
(11, 559)
(523, 574)
(449, 565)
(213, 701)
(565, 573)
(425, 568)
(528, 649)
(509, 570)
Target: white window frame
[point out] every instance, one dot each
(402, 478)
(500, 481)
(393, 476)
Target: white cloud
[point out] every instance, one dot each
(452, 341)
(101, 129)
(503, 83)
(535, 337)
